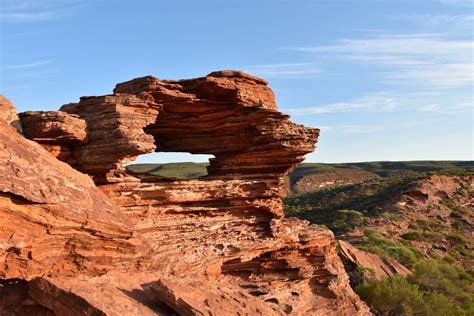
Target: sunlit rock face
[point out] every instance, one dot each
(223, 234)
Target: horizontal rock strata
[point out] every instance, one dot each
(224, 231)
(54, 219)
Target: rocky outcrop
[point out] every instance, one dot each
(364, 266)
(114, 293)
(54, 219)
(224, 231)
(8, 113)
(433, 214)
(189, 296)
(56, 131)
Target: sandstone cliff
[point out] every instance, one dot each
(141, 244)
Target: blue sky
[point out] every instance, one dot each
(384, 80)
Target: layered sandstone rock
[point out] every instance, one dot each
(224, 231)
(189, 296)
(363, 266)
(8, 113)
(54, 219)
(56, 131)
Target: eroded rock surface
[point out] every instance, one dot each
(224, 231)
(54, 219)
(364, 266)
(8, 113)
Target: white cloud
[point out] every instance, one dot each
(284, 69)
(26, 66)
(430, 108)
(351, 129)
(464, 3)
(375, 102)
(37, 10)
(385, 101)
(429, 60)
(442, 24)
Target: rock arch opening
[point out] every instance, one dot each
(172, 165)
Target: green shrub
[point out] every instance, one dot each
(378, 244)
(405, 255)
(435, 288)
(412, 235)
(449, 259)
(433, 236)
(347, 220)
(456, 238)
(438, 277)
(423, 223)
(393, 296)
(413, 226)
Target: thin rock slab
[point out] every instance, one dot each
(190, 297)
(125, 294)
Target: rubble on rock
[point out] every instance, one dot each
(152, 240)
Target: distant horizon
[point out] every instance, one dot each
(168, 160)
(392, 82)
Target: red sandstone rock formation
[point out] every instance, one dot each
(54, 219)
(56, 131)
(8, 113)
(365, 266)
(224, 231)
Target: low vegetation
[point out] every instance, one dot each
(189, 170)
(384, 168)
(435, 288)
(184, 170)
(365, 200)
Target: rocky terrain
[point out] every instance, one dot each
(82, 235)
(434, 214)
(331, 179)
(408, 238)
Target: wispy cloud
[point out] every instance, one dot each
(375, 102)
(442, 24)
(464, 3)
(284, 69)
(27, 65)
(423, 59)
(385, 101)
(37, 10)
(430, 108)
(351, 129)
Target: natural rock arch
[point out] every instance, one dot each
(224, 233)
(228, 114)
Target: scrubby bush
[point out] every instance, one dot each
(347, 220)
(394, 296)
(435, 288)
(374, 242)
(411, 235)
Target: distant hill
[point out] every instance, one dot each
(190, 170)
(179, 170)
(382, 168)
